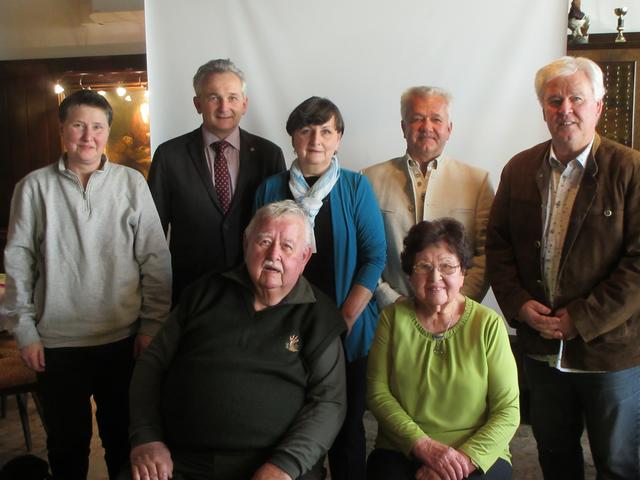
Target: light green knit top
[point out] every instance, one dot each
(466, 396)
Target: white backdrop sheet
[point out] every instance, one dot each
(362, 55)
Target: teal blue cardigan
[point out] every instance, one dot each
(359, 245)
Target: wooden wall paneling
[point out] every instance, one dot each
(25, 119)
(19, 140)
(603, 50)
(40, 105)
(6, 174)
(6, 179)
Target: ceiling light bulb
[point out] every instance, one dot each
(58, 88)
(121, 91)
(128, 98)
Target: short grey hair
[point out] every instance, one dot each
(423, 91)
(220, 65)
(277, 210)
(568, 66)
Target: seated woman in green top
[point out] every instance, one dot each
(442, 381)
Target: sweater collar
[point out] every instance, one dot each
(104, 164)
(302, 292)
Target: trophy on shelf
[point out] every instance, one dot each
(578, 24)
(620, 12)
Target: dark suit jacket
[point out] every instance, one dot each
(201, 237)
(599, 273)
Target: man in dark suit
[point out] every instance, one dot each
(563, 256)
(203, 182)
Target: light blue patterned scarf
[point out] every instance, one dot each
(310, 198)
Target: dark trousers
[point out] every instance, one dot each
(608, 403)
(72, 375)
(348, 455)
(222, 466)
(389, 464)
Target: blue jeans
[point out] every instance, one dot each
(562, 403)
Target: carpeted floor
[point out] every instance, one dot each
(525, 463)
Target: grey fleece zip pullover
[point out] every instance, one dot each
(87, 266)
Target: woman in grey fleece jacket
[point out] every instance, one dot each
(88, 285)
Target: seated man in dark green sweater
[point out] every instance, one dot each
(246, 379)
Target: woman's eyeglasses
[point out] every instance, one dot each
(427, 268)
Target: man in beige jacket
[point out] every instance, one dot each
(424, 185)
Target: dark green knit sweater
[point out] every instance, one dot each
(220, 377)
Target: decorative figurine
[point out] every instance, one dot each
(578, 24)
(620, 12)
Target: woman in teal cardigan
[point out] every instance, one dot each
(350, 252)
(442, 380)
